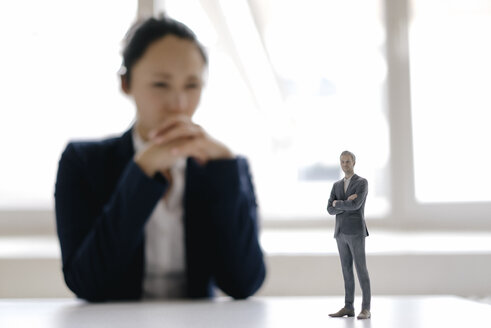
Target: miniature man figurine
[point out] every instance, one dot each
(347, 202)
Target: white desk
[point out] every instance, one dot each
(278, 312)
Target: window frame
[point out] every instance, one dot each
(405, 212)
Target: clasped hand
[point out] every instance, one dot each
(178, 137)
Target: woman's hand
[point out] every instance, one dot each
(178, 137)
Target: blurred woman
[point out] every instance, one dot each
(164, 210)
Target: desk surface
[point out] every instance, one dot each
(278, 312)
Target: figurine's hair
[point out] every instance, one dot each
(346, 152)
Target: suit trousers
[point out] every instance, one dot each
(352, 248)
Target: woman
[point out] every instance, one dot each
(163, 210)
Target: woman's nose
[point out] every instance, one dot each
(178, 102)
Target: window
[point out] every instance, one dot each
(297, 82)
(59, 82)
(451, 99)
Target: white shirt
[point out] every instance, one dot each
(346, 183)
(165, 267)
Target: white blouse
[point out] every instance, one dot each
(165, 265)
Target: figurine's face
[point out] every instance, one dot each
(347, 164)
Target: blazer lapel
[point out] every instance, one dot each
(351, 185)
(115, 160)
(125, 148)
(341, 192)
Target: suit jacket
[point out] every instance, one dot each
(103, 200)
(350, 217)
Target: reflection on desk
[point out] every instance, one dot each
(278, 312)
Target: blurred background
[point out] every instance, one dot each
(404, 84)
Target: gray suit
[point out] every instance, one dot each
(350, 232)
(350, 216)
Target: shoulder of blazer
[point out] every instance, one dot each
(100, 162)
(357, 178)
(338, 186)
(337, 183)
(113, 150)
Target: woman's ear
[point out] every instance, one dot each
(125, 85)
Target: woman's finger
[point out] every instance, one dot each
(181, 131)
(168, 124)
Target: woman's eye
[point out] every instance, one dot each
(192, 86)
(160, 85)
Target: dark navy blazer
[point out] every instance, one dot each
(103, 200)
(350, 214)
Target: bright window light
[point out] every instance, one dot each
(289, 96)
(59, 64)
(291, 88)
(450, 56)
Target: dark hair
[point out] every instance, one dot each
(143, 33)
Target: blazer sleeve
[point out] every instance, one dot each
(331, 209)
(98, 247)
(239, 268)
(352, 205)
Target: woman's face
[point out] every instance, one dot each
(166, 81)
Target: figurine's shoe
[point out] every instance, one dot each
(364, 314)
(342, 313)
